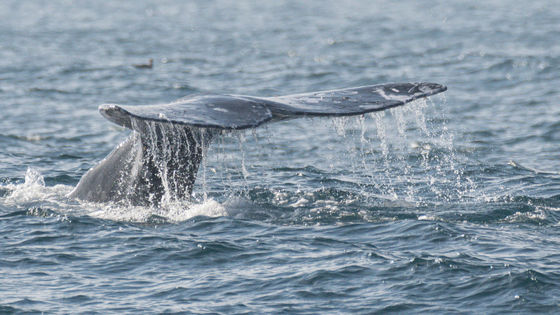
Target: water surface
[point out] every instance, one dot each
(448, 205)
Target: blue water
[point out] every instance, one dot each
(450, 205)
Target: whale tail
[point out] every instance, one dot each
(153, 165)
(161, 158)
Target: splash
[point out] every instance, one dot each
(33, 193)
(33, 189)
(171, 212)
(396, 158)
(171, 158)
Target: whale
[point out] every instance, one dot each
(160, 158)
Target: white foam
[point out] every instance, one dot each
(173, 212)
(426, 217)
(219, 109)
(33, 191)
(537, 215)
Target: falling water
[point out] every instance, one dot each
(160, 161)
(395, 156)
(313, 226)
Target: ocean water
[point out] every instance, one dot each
(445, 205)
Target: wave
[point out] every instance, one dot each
(324, 206)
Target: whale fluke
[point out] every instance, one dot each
(161, 158)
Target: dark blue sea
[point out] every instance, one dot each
(445, 205)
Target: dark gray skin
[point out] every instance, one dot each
(160, 159)
(105, 181)
(142, 168)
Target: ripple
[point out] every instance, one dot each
(444, 206)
